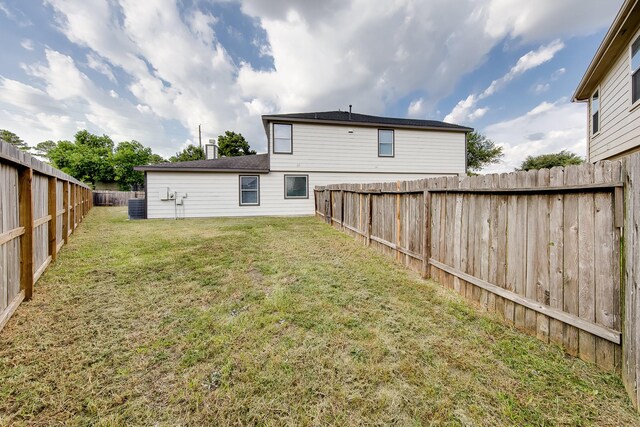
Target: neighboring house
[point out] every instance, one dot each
(611, 86)
(305, 150)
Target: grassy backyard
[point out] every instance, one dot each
(271, 322)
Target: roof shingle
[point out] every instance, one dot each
(249, 163)
(345, 116)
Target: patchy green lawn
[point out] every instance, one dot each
(271, 321)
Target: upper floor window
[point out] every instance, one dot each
(249, 190)
(386, 143)
(635, 71)
(282, 138)
(595, 113)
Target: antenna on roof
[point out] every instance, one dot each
(350, 111)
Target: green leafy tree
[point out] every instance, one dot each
(233, 144)
(13, 139)
(192, 152)
(43, 148)
(126, 156)
(89, 158)
(481, 152)
(545, 161)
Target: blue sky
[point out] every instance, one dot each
(154, 70)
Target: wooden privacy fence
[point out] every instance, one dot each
(541, 248)
(39, 208)
(115, 198)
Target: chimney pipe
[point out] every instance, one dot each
(350, 111)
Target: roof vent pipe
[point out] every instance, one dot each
(350, 111)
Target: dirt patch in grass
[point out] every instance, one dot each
(271, 321)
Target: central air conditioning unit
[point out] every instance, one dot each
(164, 193)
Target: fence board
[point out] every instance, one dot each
(527, 239)
(556, 254)
(29, 230)
(586, 270)
(116, 198)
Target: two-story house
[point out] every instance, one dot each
(306, 150)
(611, 86)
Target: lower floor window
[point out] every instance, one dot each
(249, 190)
(296, 186)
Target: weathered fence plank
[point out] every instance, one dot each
(32, 223)
(534, 245)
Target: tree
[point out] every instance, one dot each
(127, 155)
(192, 152)
(43, 148)
(481, 152)
(13, 139)
(233, 144)
(545, 161)
(89, 158)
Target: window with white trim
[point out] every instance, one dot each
(282, 138)
(385, 143)
(595, 112)
(296, 186)
(635, 71)
(249, 190)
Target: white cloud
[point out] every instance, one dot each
(541, 88)
(538, 132)
(201, 25)
(94, 62)
(27, 44)
(545, 19)
(15, 15)
(465, 111)
(558, 73)
(478, 113)
(70, 101)
(416, 108)
(326, 55)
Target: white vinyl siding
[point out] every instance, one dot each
(619, 127)
(212, 194)
(635, 70)
(340, 148)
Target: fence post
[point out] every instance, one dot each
(631, 284)
(369, 217)
(398, 223)
(327, 209)
(25, 179)
(426, 230)
(53, 212)
(342, 209)
(65, 215)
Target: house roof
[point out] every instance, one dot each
(344, 117)
(615, 41)
(257, 163)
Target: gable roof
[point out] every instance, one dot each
(615, 41)
(344, 117)
(257, 163)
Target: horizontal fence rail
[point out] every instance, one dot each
(115, 198)
(542, 248)
(39, 208)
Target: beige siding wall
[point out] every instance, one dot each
(619, 122)
(333, 149)
(216, 194)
